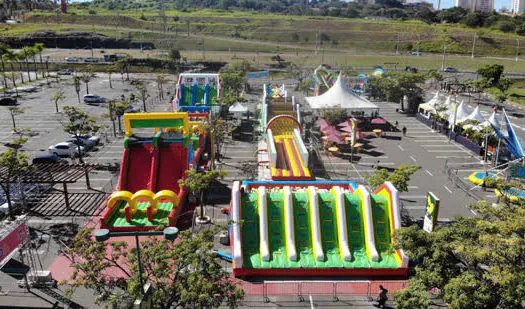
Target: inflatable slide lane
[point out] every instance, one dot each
(287, 152)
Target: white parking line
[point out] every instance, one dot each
(415, 207)
(452, 150)
(399, 146)
(457, 157)
(428, 172)
(413, 159)
(449, 191)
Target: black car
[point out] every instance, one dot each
(48, 159)
(8, 101)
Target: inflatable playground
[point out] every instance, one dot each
(287, 223)
(148, 193)
(317, 228)
(322, 80)
(197, 92)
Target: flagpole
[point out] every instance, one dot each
(454, 121)
(499, 139)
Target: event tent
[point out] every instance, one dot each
(340, 96)
(238, 109)
(461, 113)
(476, 115)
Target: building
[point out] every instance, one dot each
(419, 4)
(476, 5)
(518, 6)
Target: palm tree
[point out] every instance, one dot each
(3, 50)
(13, 79)
(76, 82)
(28, 52)
(58, 96)
(110, 69)
(39, 48)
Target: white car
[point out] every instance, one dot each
(72, 59)
(93, 138)
(65, 149)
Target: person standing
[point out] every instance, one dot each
(404, 131)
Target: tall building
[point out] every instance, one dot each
(477, 5)
(518, 6)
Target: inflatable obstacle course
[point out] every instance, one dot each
(310, 227)
(148, 194)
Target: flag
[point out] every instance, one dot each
(514, 144)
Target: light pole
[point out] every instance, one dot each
(169, 233)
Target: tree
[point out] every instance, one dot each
(233, 82)
(397, 85)
(249, 169)
(334, 115)
(110, 69)
(161, 80)
(492, 73)
(15, 111)
(78, 123)
(26, 53)
(39, 49)
(175, 55)
(399, 177)
(76, 82)
(86, 77)
(183, 274)
(58, 96)
(15, 163)
(476, 262)
(198, 183)
(219, 132)
(13, 75)
(120, 108)
(305, 85)
(143, 92)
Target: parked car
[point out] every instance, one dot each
(65, 72)
(90, 137)
(91, 59)
(86, 143)
(92, 98)
(48, 159)
(72, 59)
(131, 110)
(450, 70)
(19, 195)
(65, 149)
(417, 53)
(8, 100)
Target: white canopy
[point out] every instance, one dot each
(339, 96)
(476, 115)
(238, 109)
(431, 104)
(462, 113)
(492, 120)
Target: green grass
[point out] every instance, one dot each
(291, 32)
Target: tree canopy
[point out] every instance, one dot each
(183, 274)
(399, 177)
(476, 262)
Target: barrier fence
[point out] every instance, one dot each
(335, 289)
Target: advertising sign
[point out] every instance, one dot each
(430, 221)
(14, 239)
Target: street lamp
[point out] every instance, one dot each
(169, 233)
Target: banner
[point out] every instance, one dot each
(430, 221)
(14, 239)
(257, 74)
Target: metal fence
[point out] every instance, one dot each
(334, 289)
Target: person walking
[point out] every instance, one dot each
(404, 131)
(381, 298)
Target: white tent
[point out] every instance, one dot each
(238, 109)
(476, 115)
(462, 113)
(339, 96)
(431, 104)
(492, 120)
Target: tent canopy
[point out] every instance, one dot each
(339, 96)
(476, 115)
(238, 108)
